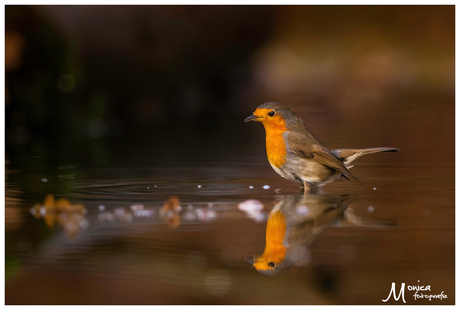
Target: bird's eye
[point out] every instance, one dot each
(271, 264)
(271, 113)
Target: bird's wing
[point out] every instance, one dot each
(300, 145)
(307, 147)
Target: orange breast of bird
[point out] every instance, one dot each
(274, 251)
(276, 147)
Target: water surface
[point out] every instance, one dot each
(123, 246)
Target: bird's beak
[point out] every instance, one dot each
(250, 260)
(252, 118)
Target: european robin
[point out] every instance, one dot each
(297, 220)
(295, 153)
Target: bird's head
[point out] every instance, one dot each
(274, 260)
(269, 266)
(271, 115)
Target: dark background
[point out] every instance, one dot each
(83, 80)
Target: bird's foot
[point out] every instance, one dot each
(306, 187)
(309, 188)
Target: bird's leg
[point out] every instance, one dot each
(306, 187)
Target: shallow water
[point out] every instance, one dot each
(125, 247)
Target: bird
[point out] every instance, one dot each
(297, 155)
(297, 220)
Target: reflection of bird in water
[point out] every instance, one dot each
(296, 221)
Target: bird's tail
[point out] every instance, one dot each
(349, 155)
(350, 219)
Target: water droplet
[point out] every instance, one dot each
(278, 190)
(251, 205)
(189, 216)
(119, 212)
(201, 214)
(144, 213)
(375, 188)
(83, 223)
(199, 186)
(258, 217)
(169, 214)
(137, 207)
(44, 180)
(302, 210)
(211, 215)
(105, 216)
(370, 209)
(101, 208)
(266, 186)
(253, 209)
(251, 187)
